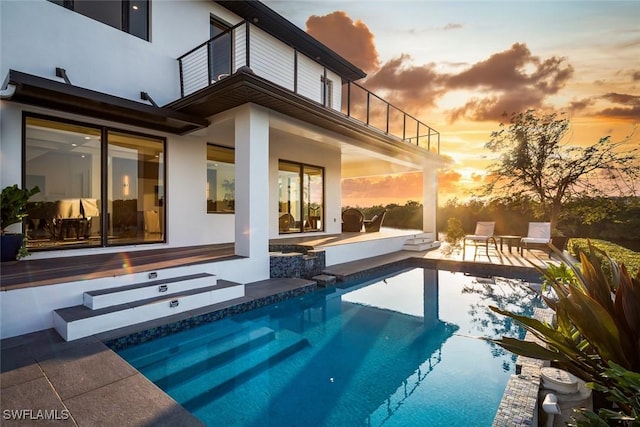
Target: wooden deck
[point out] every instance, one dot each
(39, 272)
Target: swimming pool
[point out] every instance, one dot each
(396, 351)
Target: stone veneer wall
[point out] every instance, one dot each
(295, 261)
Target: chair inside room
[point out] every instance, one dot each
(91, 212)
(539, 235)
(372, 225)
(70, 222)
(482, 236)
(352, 220)
(152, 224)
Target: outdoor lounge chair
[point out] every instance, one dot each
(539, 234)
(373, 224)
(482, 236)
(352, 220)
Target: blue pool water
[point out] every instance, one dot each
(396, 352)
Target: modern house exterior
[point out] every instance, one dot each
(169, 124)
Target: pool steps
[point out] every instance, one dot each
(421, 242)
(150, 352)
(201, 389)
(193, 363)
(117, 307)
(209, 360)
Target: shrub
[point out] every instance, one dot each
(597, 330)
(455, 233)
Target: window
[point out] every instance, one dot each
(221, 179)
(65, 160)
(219, 50)
(130, 16)
(300, 197)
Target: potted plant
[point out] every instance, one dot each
(13, 201)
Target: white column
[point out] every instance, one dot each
(429, 199)
(252, 183)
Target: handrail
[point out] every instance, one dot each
(195, 67)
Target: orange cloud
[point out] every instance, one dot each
(382, 190)
(449, 181)
(628, 106)
(514, 88)
(413, 86)
(335, 28)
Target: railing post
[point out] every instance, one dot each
(295, 70)
(417, 133)
(209, 62)
(404, 125)
(387, 118)
(368, 96)
(181, 78)
(348, 99)
(324, 87)
(247, 43)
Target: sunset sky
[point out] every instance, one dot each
(458, 66)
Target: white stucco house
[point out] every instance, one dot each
(169, 124)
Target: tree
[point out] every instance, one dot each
(536, 161)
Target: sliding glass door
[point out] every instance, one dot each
(300, 197)
(85, 171)
(136, 191)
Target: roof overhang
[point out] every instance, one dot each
(268, 20)
(245, 87)
(42, 92)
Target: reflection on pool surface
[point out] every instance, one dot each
(395, 351)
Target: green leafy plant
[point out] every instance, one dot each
(626, 391)
(596, 335)
(13, 202)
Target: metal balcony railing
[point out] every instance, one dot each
(246, 45)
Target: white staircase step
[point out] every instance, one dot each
(115, 296)
(81, 321)
(418, 240)
(419, 247)
(429, 235)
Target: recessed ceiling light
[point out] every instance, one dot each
(87, 137)
(134, 7)
(83, 156)
(74, 145)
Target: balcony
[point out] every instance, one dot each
(246, 47)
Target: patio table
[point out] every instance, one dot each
(510, 240)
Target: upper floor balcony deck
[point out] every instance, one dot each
(246, 47)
